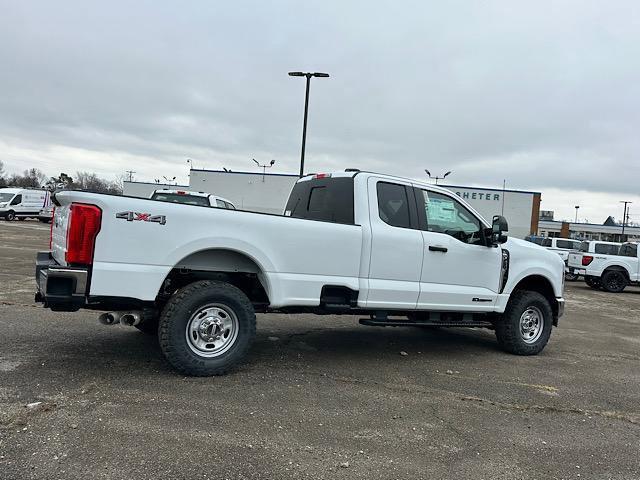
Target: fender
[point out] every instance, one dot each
(226, 243)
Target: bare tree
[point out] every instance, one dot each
(32, 178)
(3, 181)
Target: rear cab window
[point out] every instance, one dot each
(180, 198)
(324, 199)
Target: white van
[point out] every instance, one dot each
(22, 203)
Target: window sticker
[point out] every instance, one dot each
(440, 210)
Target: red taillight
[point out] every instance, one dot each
(84, 225)
(53, 214)
(586, 260)
(322, 175)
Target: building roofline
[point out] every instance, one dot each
(266, 174)
(154, 183)
(506, 190)
(600, 225)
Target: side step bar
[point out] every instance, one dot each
(372, 322)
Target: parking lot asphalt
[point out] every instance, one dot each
(318, 397)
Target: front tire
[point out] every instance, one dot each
(11, 216)
(614, 281)
(525, 326)
(206, 328)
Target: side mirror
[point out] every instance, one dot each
(498, 227)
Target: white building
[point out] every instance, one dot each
(145, 189)
(246, 190)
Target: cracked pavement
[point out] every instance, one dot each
(318, 397)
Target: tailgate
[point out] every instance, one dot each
(575, 260)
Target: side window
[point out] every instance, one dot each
(584, 247)
(447, 215)
(629, 250)
(229, 206)
(546, 242)
(16, 200)
(220, 203)
(606, 249)
(393, 204)
(567, 244)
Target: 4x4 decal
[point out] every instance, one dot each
(141, 217)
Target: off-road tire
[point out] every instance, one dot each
(177, 314)
(508, 330)
(614, 281)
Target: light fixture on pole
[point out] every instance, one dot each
(264, 167)
(577, 207)
(436, 178)
(306, 109)
(169, 179)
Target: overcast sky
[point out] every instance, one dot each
(543, 94)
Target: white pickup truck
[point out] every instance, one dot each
(574, 259)
(398, 252)
(612, 273)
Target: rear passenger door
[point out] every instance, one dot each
(396, 246)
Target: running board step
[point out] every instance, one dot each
(409, 323)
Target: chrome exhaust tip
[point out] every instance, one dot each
(130, 319)
(109, 318)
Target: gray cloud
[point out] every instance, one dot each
(545, 95)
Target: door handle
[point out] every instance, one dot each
(435, 248)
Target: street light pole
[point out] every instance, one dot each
(624, 217)
(306, 110)
(437, 177)
(577, 207)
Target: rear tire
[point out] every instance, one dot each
(525, 326)
(206, 328)
(614, 281)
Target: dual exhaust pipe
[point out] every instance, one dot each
(127, 319)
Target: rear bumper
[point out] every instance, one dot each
(60, 288)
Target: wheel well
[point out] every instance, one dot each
(229, 266)
(617, 268)
(540, 284)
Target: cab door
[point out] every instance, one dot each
(459, 272)
(396, 246)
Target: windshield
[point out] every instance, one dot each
(5, 197)
(178, 198)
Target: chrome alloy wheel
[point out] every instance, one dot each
(531, 324)
(212, 330)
